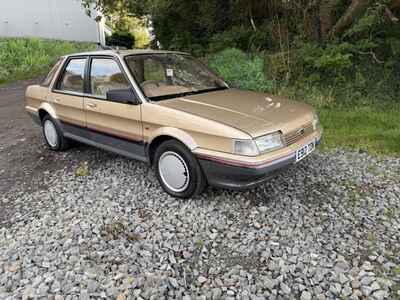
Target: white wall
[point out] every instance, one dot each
(53, 19)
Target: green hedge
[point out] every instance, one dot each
(241, 70)
(27, 58)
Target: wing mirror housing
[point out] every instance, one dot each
(126, 96)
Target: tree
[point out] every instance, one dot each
(181, 24)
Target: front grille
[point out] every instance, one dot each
(297, 134)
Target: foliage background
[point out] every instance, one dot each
(28, 58)
(346, 50)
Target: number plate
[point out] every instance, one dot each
(305, 151)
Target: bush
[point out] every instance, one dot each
(240, 70)
(28, 57)
(121, 39)
(340, 71)
(319, 64)
(240, 37)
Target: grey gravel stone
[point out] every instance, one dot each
(355, 284)
(347, 291)
(42, 289)
(285, 288)
(202, 279)
(375, 286)
(366, 290)
(342, 278)
(379, 295)
(216, 293)
(367, 280)
(269, 283)
(115, 232)
(335, 289)
(305, 295)
(84, 295)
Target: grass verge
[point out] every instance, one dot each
(368, 128)
(26, 58)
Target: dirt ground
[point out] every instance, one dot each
(24, 157)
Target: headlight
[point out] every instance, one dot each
(315, 121)
(269, 142)
(245, 147)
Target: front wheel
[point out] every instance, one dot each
(178, 171)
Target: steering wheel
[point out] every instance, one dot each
(156, 83)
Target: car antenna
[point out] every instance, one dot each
(104, 47)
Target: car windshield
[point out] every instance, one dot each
(171, 75)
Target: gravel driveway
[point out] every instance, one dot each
(328, 228)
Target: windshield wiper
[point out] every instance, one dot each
(184, 94)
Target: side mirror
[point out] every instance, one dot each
(122, 96)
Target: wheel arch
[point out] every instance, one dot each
(165, 134)
(44, 109)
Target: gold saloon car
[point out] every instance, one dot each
(171, 111)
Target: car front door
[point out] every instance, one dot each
(113, 124)
(66, 97)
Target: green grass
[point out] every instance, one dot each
(26, 58)
(362, 128)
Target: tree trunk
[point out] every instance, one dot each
(326, 10)
(395, 4)
(223, 15)
(311, 21)
(356, 9)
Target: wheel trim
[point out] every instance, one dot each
(173, 171)
(50, 133)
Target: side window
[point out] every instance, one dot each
(72, 79)
(105, 75)
(49, 77)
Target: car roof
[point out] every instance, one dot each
(123, 53)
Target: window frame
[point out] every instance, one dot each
(55, 69)
(87, 87)
(56, 86)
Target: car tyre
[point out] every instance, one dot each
(53, 135)
(178, 171)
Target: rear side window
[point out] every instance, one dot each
(53, 71)
(106, 75)
(73, 77)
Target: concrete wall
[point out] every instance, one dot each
(53, 19)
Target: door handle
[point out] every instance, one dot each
(56, 100)
(91, 105)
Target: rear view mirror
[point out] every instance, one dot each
(122, 96)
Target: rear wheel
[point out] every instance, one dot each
(178, 171)
(53, 135)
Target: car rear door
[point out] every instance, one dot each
(114, 125)
(66, 96)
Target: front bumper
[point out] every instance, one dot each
(224, 175)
